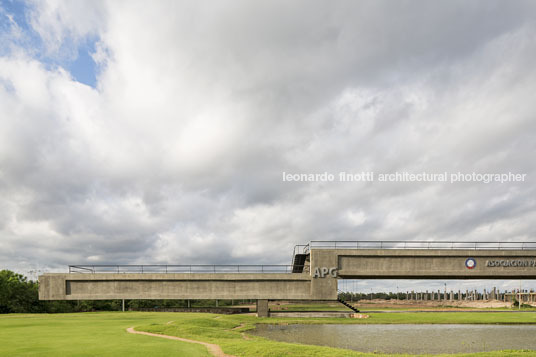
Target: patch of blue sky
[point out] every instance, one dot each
(14, 26)
(16, 8)
(81, 66)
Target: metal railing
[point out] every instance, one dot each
(181, 268)
(419, 245)
(300, 249)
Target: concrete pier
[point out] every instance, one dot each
(262, 308)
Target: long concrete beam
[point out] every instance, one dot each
(435, 264)
(88, 286)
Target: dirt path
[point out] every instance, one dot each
(239, 326)
(244, 336)
(215, 350)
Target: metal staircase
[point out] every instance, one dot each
(354, 309)
(298, 263)
(300, 259)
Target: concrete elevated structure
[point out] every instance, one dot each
(102, 286)
(313, 276)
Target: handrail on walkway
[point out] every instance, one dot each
(300, 249)
(318, 244)
(147, 269)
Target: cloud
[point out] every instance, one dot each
(63, 25)
(176, 154)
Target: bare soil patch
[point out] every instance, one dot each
(215, 350)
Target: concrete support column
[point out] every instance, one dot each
(262, 308)
(451, 295)
(123, 305)
(494, 293)
(459, 295)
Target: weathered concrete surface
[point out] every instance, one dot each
(52, 287)
(174, 286)
(324, 288)
(345, 263)
(262, 308)
(432, 264)
(415, 264)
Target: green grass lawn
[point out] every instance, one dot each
(87, 334)
(103, 334)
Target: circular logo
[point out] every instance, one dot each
(470, 263)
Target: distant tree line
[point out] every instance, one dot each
(20, 295)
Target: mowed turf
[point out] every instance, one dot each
(103, 334)
(87, 334)
(220, 331)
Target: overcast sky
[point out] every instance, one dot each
(157, 132)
